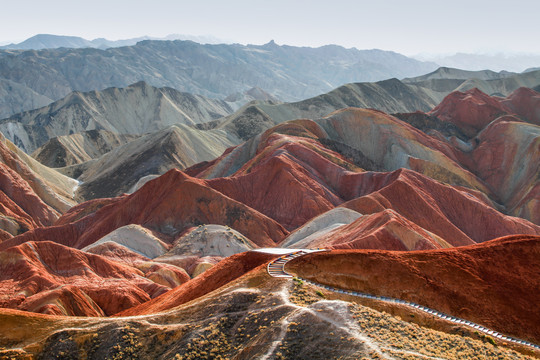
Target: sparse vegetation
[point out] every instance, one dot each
(303, 295)
(244, 322)
(403, 338)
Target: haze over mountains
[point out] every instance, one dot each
(49, 41)
(161, 223)
(292, 73)
(140, 108)
(215, 71)
(497, 62)
(392, 96)
(467, 61)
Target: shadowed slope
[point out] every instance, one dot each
(177, 147)
(78, 148)
(136, 109)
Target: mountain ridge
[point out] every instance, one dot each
(216, 71)
(51, 41)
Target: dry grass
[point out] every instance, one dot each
(399, 337)
(254, 317)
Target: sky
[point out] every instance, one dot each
(409, 27)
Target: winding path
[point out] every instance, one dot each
(276, 268)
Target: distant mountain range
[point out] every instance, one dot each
(468, 61)
(289, 73)
(49, 41)
(141, 108)
(497, 62)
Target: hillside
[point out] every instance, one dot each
(238, 310)
(16, 98)
(489, 82)
(481, 283)
(175, 147)
(355, 233)
(136, 109)
(75, 149)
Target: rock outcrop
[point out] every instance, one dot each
(135, 238)
(201, 247)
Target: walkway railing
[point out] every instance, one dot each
(276, 268)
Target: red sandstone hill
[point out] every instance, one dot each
(507, 158)
(459, 216)
(291, 180)
(291, 177)
(52, 188)
(23, 195)
(404, 210)
(20, 202)
(505, 153)
(525, 102)
(26, 211)
(49, 278)
(294, 172)
(496, 283)
(386, 230)
(473, 110)
(370, 139)
(221, 274)
(169, 205)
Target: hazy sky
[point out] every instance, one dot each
(406, 26)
